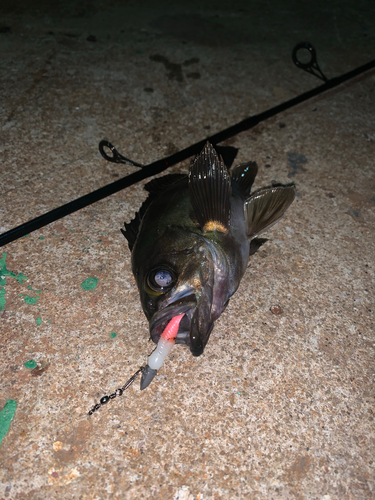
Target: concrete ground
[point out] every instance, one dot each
(279, 406)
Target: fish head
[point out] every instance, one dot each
(179, 278)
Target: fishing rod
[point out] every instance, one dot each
(156, 167)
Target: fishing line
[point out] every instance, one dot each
(159, 166)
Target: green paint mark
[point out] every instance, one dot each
(26, 235)
(41, 237)
(38, 321)
(21, 278)
(5, 272)
(31, 364)
(113, 335)
(30, 300)
(49, 321)
(104, 233)
(90, 283)
(2, 297)
(54, 234)
(6, 417)
(71, 230)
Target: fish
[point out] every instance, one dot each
(190, 245)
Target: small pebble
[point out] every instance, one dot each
(276, 310)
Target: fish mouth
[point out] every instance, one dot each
(161, 319)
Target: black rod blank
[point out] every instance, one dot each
(161, 165)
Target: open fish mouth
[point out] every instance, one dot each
(161, 319)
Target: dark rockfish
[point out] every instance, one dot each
(190, 245)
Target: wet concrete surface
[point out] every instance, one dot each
(279, 405)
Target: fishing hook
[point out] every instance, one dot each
(311, 66)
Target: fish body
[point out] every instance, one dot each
(190, 243)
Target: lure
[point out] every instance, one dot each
(154, 361)
(163, 348)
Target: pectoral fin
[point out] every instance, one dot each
(255, 244)
(210, 190)
(267, 206)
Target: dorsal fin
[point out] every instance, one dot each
(266, 206)
(132, 227)
(161, 183)
(210, 190)
(155, 187)
(227, 153)
(244, 175)
(131, 230)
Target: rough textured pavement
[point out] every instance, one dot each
(280, 406)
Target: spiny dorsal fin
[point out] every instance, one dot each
(244, 175)
(266, 206)
(161, 183)
(210, 190)
(155, 187)
(132, 227)
(131, 230)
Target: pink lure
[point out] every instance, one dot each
(170, 331)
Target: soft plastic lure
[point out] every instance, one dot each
(163, 348)
(154, 361)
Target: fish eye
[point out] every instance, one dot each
(161, 279)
